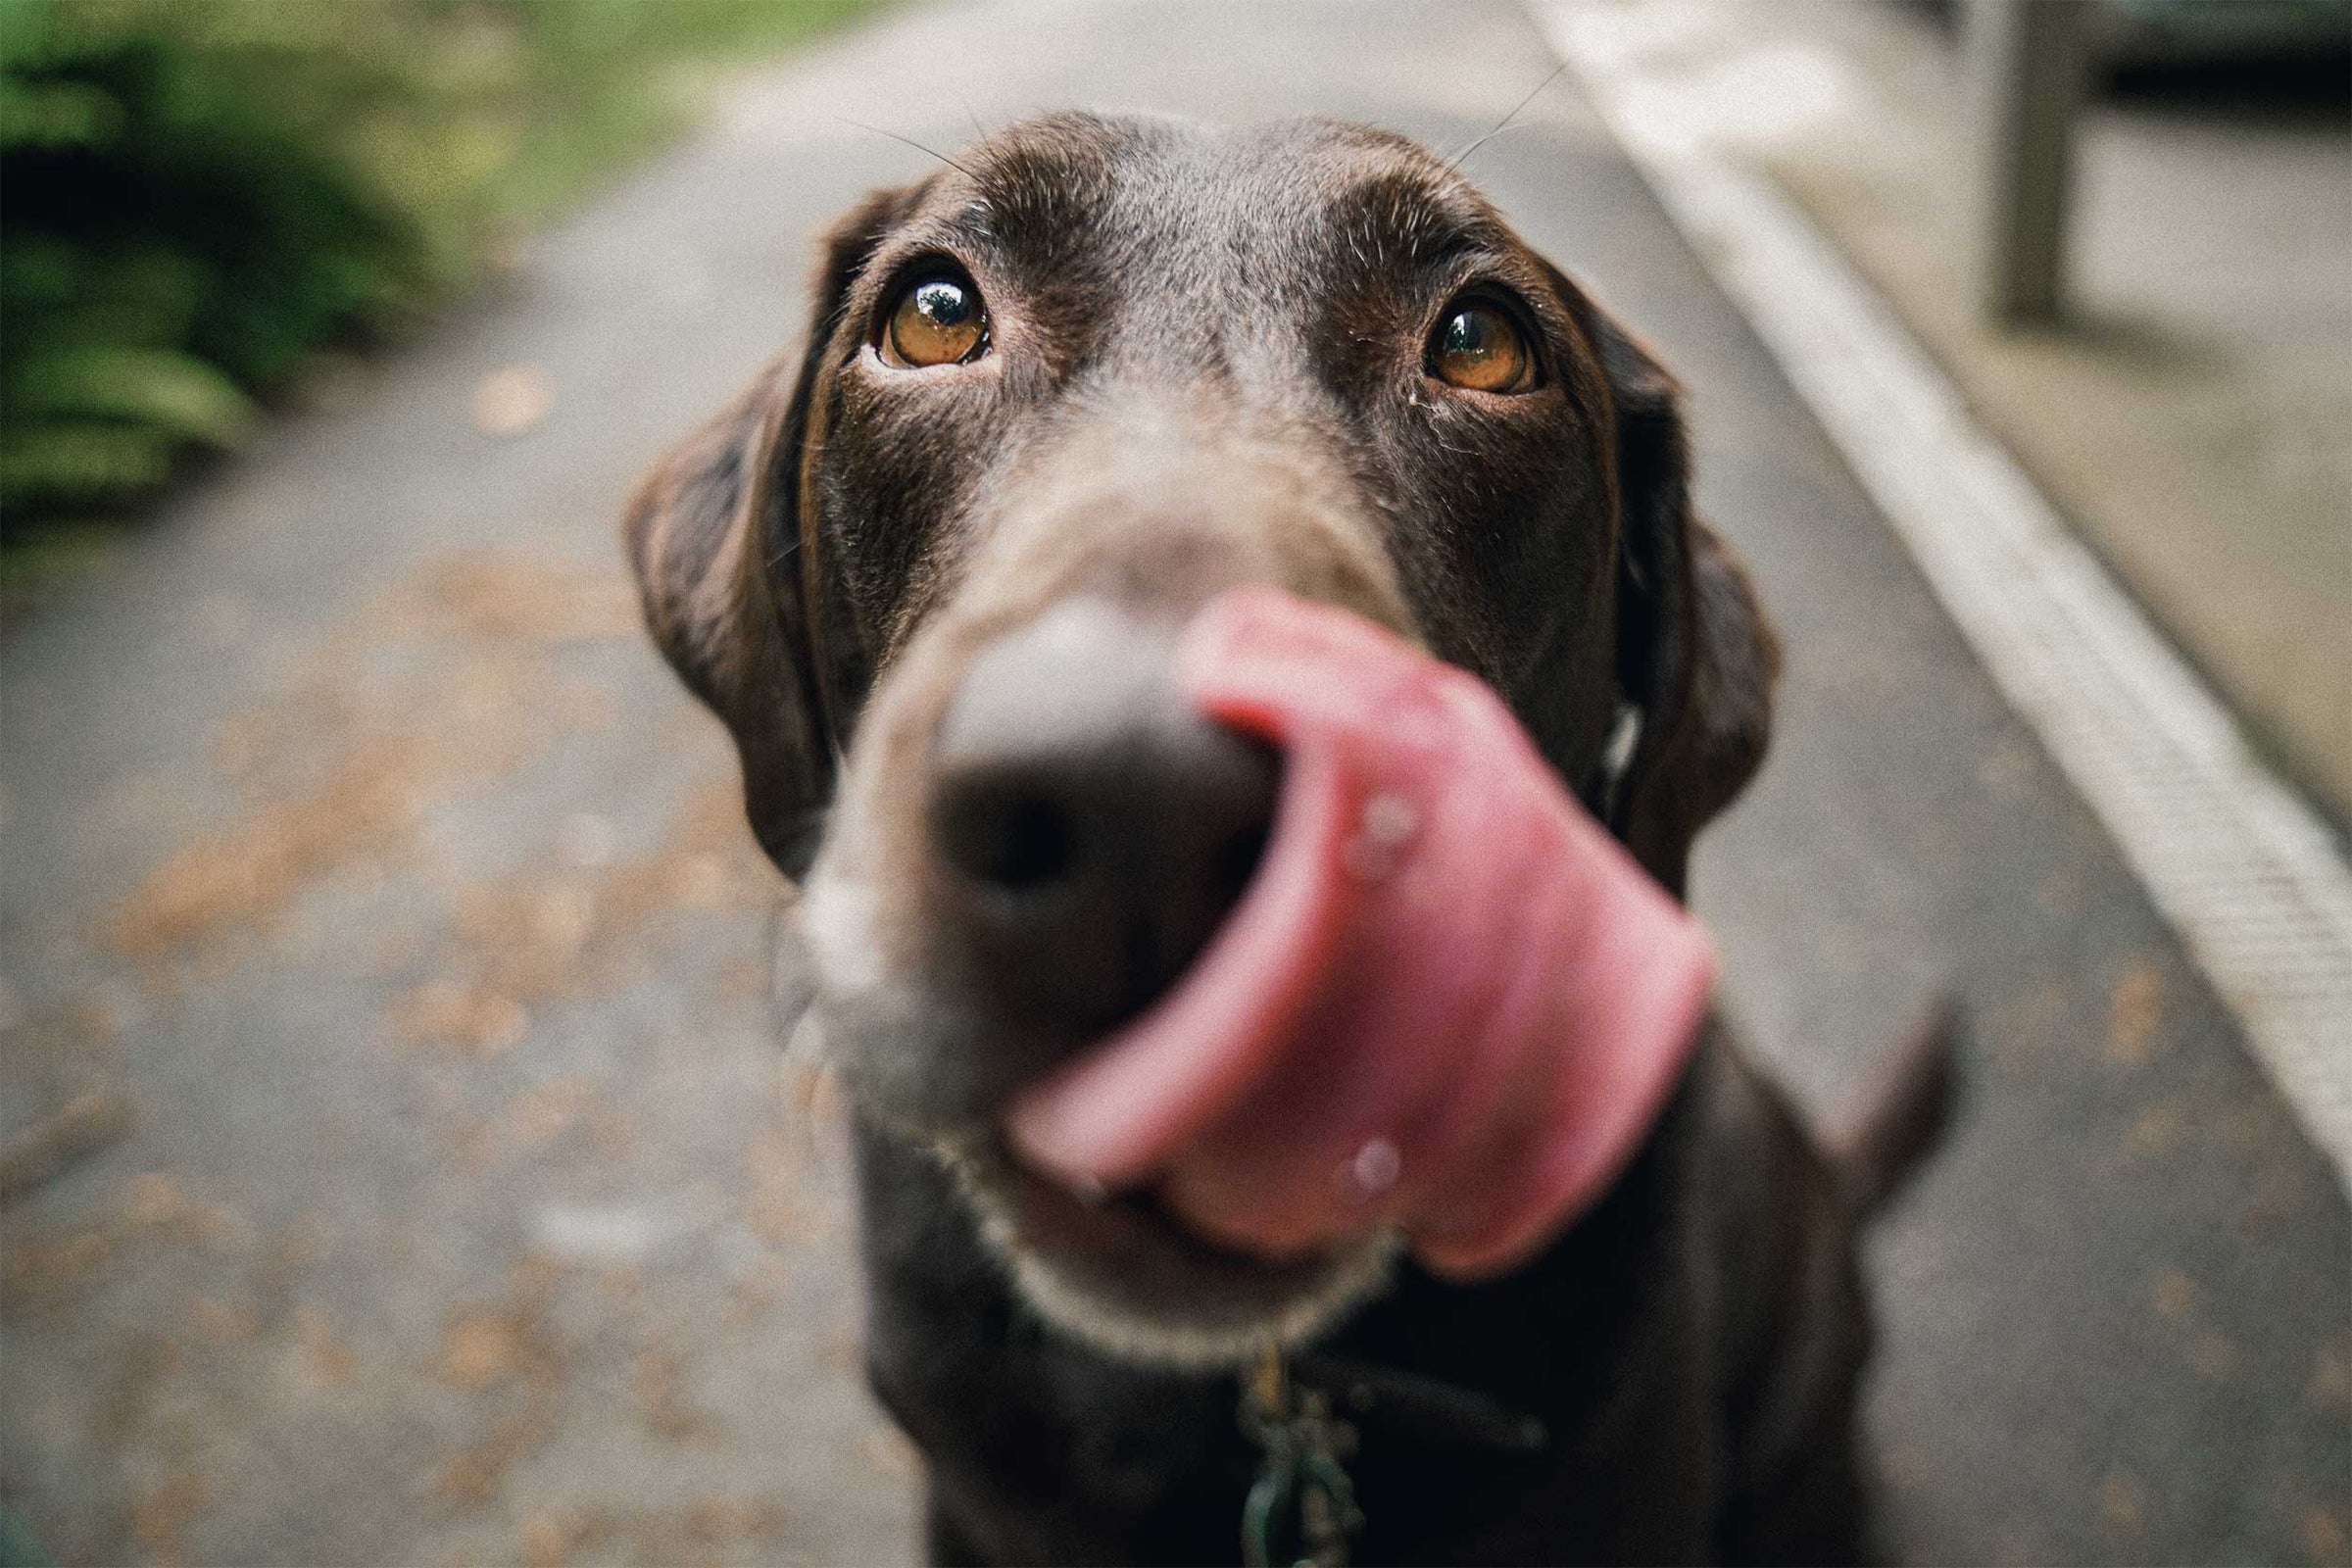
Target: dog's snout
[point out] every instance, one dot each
(1093, 831)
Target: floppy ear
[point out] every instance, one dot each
(1695, 656)
(726, 572)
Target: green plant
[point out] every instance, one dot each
(195, 194)
(176, 232)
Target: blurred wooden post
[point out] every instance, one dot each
(2027, 60)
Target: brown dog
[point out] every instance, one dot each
(1054, 398)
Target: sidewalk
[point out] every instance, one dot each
(359, 844)
(2194, 420)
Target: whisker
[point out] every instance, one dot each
(973, 116)
(911, 142)
(1455, 161)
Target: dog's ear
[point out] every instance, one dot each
(1696, 657)
(726, 574)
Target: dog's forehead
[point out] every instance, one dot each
(1183, 203)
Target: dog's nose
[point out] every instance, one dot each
(1094, 829)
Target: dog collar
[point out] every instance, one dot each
(1433, 1407)
(1301, 1413)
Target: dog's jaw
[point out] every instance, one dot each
(1111, 1272)
(1118, 1275)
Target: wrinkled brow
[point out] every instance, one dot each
(1050, 191)
(1410, 218)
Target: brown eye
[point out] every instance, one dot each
(937, 321)
(1478, 348)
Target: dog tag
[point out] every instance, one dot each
(1302, 1508)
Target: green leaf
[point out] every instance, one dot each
(81, 462)
(25, 27)
(182, 398)
(56, 113)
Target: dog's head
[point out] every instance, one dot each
(1054, 398)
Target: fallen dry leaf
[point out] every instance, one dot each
(511, 401)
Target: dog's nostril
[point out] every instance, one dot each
(1093, 830)
(1007, 838)
(1036, 845)
(1234, 861)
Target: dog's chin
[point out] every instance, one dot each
(1118, 1273)
(1123, 1275)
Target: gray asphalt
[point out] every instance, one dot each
(358, 844)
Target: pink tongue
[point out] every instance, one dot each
(1449, 999)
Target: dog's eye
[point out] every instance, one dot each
(936, 321)
(1478, 348)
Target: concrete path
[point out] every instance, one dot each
(2194, 417)
(356, 843)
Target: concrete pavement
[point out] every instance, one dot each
(2193, 414)
(357, 842)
